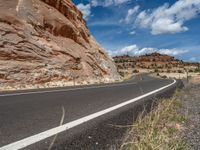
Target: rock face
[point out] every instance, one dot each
(46, 42)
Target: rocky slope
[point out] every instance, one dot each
(47, 43)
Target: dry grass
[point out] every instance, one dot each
(159, 130)
(127, 77)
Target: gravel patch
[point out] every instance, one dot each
(191, 108)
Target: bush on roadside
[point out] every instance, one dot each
(135, 71)
(164, 77)
(156, 70)
(190, 70)
(180, 71)
(197, 70)
(168, 70)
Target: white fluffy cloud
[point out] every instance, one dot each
(120, 1)
(106, 3)
(169, 19)
(134, 50)
(172, 52)
(132, 33)
(131, 13)
(85, 9)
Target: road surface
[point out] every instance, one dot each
(60, 117)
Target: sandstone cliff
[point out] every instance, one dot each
(47, 43)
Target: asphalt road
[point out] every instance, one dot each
(24, 114)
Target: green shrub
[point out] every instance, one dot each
(156, 70)
(190, 70)
(164, 77)
(135, 71)
(180, 71)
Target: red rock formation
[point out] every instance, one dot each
(46, 41)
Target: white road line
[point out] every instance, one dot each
(46, 134)
(63, 90)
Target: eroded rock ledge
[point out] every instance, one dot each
(47, 43)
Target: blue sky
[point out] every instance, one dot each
(137, 27)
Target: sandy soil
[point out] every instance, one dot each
(195, 76)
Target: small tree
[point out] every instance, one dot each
(164, 77)
(156, 70)
(135, 71)
(168, 70)
(191, 70)
(180, 71)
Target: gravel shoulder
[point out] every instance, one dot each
(190, 97)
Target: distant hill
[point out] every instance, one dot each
(153, 61)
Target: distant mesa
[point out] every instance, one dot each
(149, 60)
(154, 62)
(45, 43)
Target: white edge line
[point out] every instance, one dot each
(62, 90)
(46, 134)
